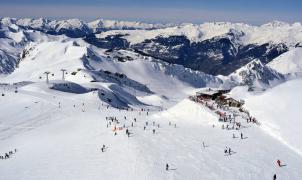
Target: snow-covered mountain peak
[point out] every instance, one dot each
(257, 75)
(276, 24)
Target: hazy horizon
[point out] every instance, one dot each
(177, 11)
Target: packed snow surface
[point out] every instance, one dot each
(55, 128)
(280, 111)
(289, 62)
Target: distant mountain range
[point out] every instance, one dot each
(217, 48)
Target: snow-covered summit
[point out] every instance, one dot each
(257, 75)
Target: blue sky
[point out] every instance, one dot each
(196, 11)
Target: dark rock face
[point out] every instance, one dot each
(110, 42)
(219, 55)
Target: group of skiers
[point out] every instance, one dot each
(241, 136)
(8, 155)
(228, 150)
(103, 148)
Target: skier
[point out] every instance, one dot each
(153, 131)
(279, 163)
(230, 151)
(234, 136)
(144, 127)
(167, 167)
(241, 135)
(203, 144)
(274, 177)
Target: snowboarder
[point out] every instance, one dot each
(167, 167)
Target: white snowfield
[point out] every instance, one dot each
(280, 111)
(64, 142)
(289, 62)
(56, 130)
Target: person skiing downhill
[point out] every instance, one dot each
(274, 177)
(167, 167)
(279, 163)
